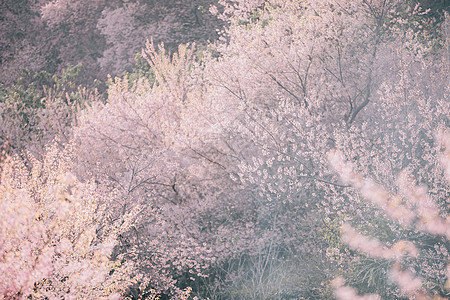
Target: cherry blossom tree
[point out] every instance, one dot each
(219, 154)
(53, 240)
(413, 208)
(308, 77)
(155, 159)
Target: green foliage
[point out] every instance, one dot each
(68, 77)
(19, 103)
(254, 19)
(330, 231)
(140, 69)
(41, 106)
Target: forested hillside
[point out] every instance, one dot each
(238, 149)
(104, 36)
